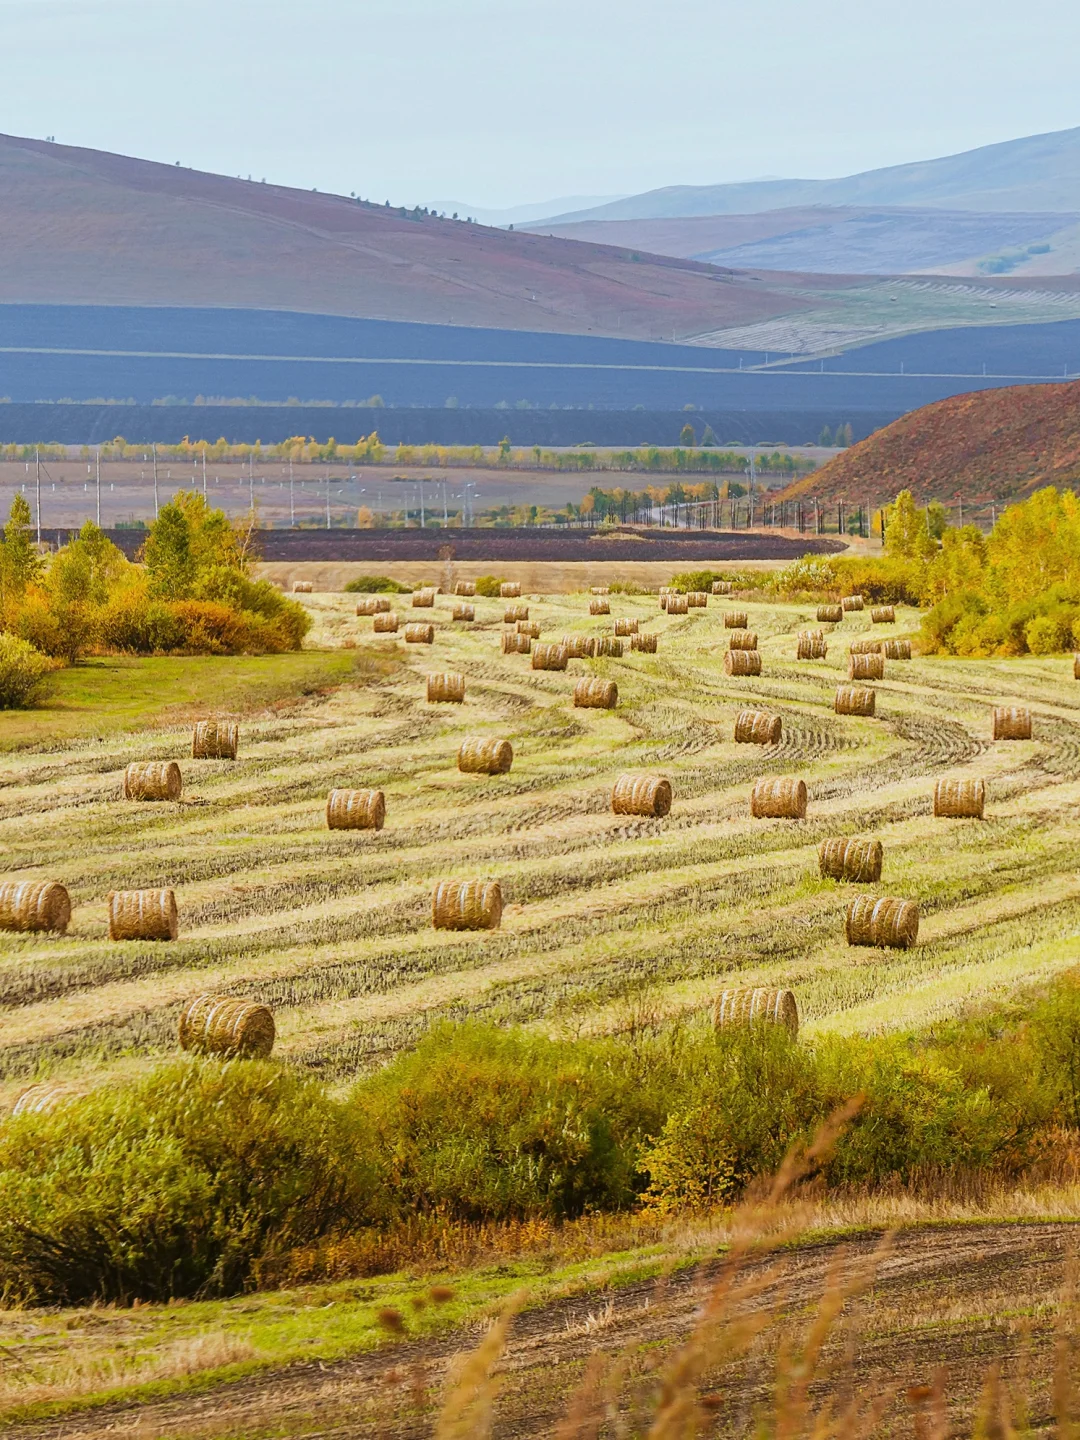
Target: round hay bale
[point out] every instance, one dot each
(897, 650)
(641, 795)
(742, 640)
(883, 615)
(514, 643)
(215, 740)
(599, 590)
(45, 1097)
(372, 604)
(856, 860)
(513, 613)
(301, 587)
(721, 587)
(143, 915)
(830, 614)
(890, 924)
(959, 799)
(1012, 722)
(419, 634)
(676, 604)
(811, 645)
(464, 612)
(645, 643)
(385, 623)
(446, 687)
(423, 599)
(851, 602)
(528, 627)
(608, 645)
(758, 727)
(467, 905)
(599, 607)
(549, 657)
(697, 599)
(595, 694)
(579, 647)
(484, 755)
(510, 590)
(854, 700)
(778, 797)
(735, 620)
(465, 587)
(756, 1007)
(1076, 667)
(866, 667)
(625, 626)
(223, 1025)
(865, 647)
(743, 662)
(153, 780)
(355, 810)
(34, 905)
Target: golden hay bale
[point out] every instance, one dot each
(215, 740)
(888, 923)
(1012, 722)
(599, 607)
(812, 645)
(865, 647)
(143, 915)
(464, 612)
(599, 590)
(1076, 667)
(528, 627)
(386, 623)
(676, 604)
(595, 694)
(742, 640)
(721, 587)
(423, 599)
(513, 613)
(608, 645)
(467, 905)
(743, 662)
(465, 587)
(45, 1097)
(866, 667)
(301, 587)
(857, 860)
(446, 687)
(549, 657)
(373, 604)
(758, 727)
(854, 700)
(625, 626)
(510, 590)
(883, 615)
(897, 650)
(697, 599)
(644, 643)
(778, 797)
(579, 647)
(641, 795)
(851, 602)
(418, 634)
(34, 905)
(355, 810)
(223, 1025)
(959, 799)
(754, 1007)
(514, 643)
(735, 620)
(484, 755)
(153, 780)
(830, 613)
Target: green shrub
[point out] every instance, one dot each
(375, 585)
(488, 585)
(22, 672)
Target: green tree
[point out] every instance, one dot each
(20, 564)
(826, 436)
(959, 566)
(170, 564)
(906, 533)
(687, 436)
(937, 519)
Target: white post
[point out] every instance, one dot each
(328, 497)
(98, 483)
(292, 503)
(37, 488)
(155, 483)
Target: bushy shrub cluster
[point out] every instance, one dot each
(22, 672)
(375, 585)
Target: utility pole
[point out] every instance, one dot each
(421, 505)
(98, 483)
(204, 474)
(961, 500)
(251, 480)
(155, 482)
(445, 516)
(328, 497)
(37, 488)
(292, 501)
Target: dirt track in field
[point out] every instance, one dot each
(947, 1302)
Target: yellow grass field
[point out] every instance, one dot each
(607, 917)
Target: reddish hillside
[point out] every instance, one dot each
(86, 227)
(990, 445)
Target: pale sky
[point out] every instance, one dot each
(503, 102)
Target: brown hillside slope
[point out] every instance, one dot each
(86, 227)
(994, 445)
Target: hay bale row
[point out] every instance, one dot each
(484, 755)
(463, 612)
(599, 607)
(888, 923)
(215, 740)
(386, 623)
(897, 650)
(355, 810)
(301, 587)
(675, 604)
(513, 613)
(549, 657)
(423, 599)
(599, 590)
(514, 643)
(866, 667)
(959, 799)
(465, 587)
(579, 647)
(641, 795)
(608, 645)
(742, 640)
(373, 605)
(742, 662)
(596, 694)
(865, 647)
(883, 615)
(645, 643)
(721, 587)
(467, 905)
(153, 780)
(758, 727)
(445, 687)
(223, 1025)
(756, 1007)
(735, 620)
(143, 915)
(1012, 722)
(854, 700)
(697, 599)
(778, 797)
(851, 602)
(510, 590)
(831, 614)
(625, 626)
(856, 860)
(528, 627)
(811, 645)
(419, 634)
(34, 905)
